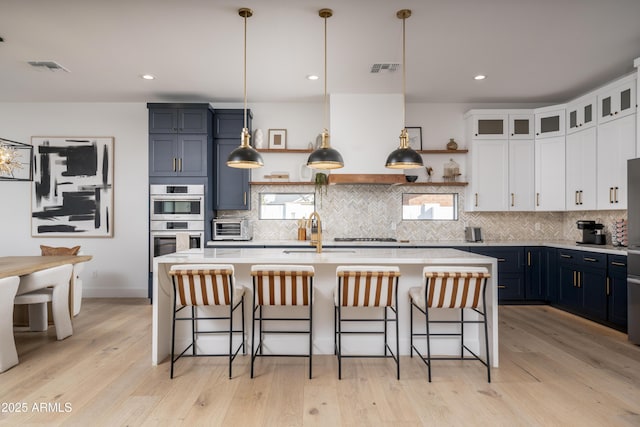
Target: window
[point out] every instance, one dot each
(286, 205)
(430, 206)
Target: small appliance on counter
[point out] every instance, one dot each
(473, 234)
(231, 229)
(592, 233)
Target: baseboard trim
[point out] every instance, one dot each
(114, 293)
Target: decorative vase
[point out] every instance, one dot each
(258, 139)
(452, 145)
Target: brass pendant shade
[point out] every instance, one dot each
(245, 156)
(404, 157)
(325, 157)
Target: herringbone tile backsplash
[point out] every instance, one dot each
(369, 210)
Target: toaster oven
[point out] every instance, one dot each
(231, 229)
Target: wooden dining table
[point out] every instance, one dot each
(21, 266)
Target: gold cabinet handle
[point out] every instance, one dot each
(501, 260)
(619, 264)
(608, 287)
(579, 279)
(502, 287)
(537, 199)
(615, 194)
(577, 199)
(565, 256)
(476, 200)
(529, 258)
(180, 164)
(174, 164)
(590, 259)
(244, 198)
(513, 199)
(574, 279)
(610, 194)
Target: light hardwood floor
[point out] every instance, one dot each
(555, 369)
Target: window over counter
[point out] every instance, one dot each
(286, 205)
(430, 206)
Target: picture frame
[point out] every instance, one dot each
(415, 137)
(72, 190)
(277, 139)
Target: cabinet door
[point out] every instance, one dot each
(163, 155)
(490, 176)
(617, 290)
(510, 287)
(535, 274)
(592, 281)
(550, 176)
(570, 293)
(192, 155)
(550, 123)
(490, 126)
(521, 126)
(615, 145)
(581, 114)
(232, 184)
(228, 124)
(193, 120)
(521, 175)
(163, 120)
(580, 170)
(618, 101)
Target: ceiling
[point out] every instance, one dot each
(531, 50)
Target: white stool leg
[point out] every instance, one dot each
(38, 321)
(60, 309)
(8, 353)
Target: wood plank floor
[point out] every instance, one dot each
(555, 369)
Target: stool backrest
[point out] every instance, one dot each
(454, 287)
(203, 284)
(367, 286)
(283, 284)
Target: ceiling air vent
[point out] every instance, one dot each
(50, 65)
(387, 67)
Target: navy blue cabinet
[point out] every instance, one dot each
(232, 184)
(535, 281)
(511, 278)
(617, 290)
(179, 139)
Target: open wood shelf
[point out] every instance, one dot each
(461, 151)
(285, 150)
(439, 184)
(281, 183)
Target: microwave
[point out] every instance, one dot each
(231, 229)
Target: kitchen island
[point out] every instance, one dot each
(411, 262)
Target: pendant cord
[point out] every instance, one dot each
(326, 124)
(245, 72)
(404, 74)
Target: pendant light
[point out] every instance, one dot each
(245, 157)
(325, 157)
(404, 157)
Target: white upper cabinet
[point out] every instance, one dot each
(521, 174)
(581, 170)
(489, 185)
(616, 144)
(520, 126)
(550, 174)
(617, 99)
(490, 126)
(549, 121)
(581, 113)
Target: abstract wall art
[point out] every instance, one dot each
(72, 192)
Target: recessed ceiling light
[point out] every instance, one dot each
(480, 77)
(312, 77)
(148, 77)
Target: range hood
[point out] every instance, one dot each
(365, 128)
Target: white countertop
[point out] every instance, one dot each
(561, 244)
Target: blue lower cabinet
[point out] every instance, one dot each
(617, 291)
(511, 278)
(535, 281)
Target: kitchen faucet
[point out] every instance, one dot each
(316, 231)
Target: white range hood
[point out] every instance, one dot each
(365, 128)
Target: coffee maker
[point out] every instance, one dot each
(592, 233)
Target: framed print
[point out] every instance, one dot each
(277, 139)
(415, 137)
(72, 192)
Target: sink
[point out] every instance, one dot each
(312, 250)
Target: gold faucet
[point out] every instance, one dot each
(316, 232)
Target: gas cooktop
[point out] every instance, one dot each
(365, 239)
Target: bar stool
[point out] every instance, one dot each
(281, 285)
(451, 288)
(206, 285)
(40, 287)
(366, 286)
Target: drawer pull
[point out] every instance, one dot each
(501, 260)
(502, 287)
(590, 259)
(565, 256)
(618, 264)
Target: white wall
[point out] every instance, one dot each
(119, 265)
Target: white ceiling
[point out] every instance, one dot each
(531, 50)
